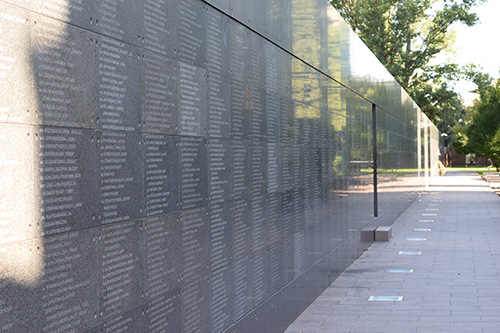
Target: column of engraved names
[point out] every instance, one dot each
(162, 249)
(288, 124)
(120, 176)
(298, 209)
(241, 168)
(68, 291)
(161, 26)
(221, 233)
(159, 98)
(258, 119)
(308, 185)
(331, 187)
(258, 197)
(120, 267)
(118, 86)
(260, 227)
(195, 304)
(288, 234)
(241, 205)
(273, 168)
(275, 267)
(192, 32)
(218, 80)
(258, 168)
(8, 308)
(274, 217)
(64, 74)
(192, 100)
(317, 185)
(273, 112)
(299, 253)
(243, 290)
(260, 276)
(195, 244)
(242, 241)
(238, 43)
(161, 183)
(325, 182)
(221, 299)
(130, 321)
(275, 225)
(61, 10)
(285, 75)
(68, 190)
(193, 164)
(17, 144)
(164, 313)
(240, 110)
(118, 19)
(219, 170)
(240, 103)
(287, 169)
(15, 36)
(287, 214)
(272, 66)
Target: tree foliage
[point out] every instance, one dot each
(494, 149)
(406, 35)
(480, 133)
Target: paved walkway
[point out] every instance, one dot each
(454, 285)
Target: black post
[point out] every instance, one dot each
(374, 142)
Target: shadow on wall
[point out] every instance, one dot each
(48, 179)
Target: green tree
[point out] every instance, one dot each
(485, 122)
(484, 87)
(480, 133)
(406, 35)
(494, 149)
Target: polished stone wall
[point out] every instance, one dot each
(191, 165)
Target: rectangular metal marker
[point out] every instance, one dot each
(400, 271)
(410, 253)
(386, 298)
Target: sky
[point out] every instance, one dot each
(479, 44)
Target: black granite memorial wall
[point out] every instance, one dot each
(190, 166)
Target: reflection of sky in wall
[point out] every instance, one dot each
(479, 44)
(364, 63)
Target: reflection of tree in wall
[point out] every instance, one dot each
(405, 36)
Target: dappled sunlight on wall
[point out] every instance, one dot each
(21, 251)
